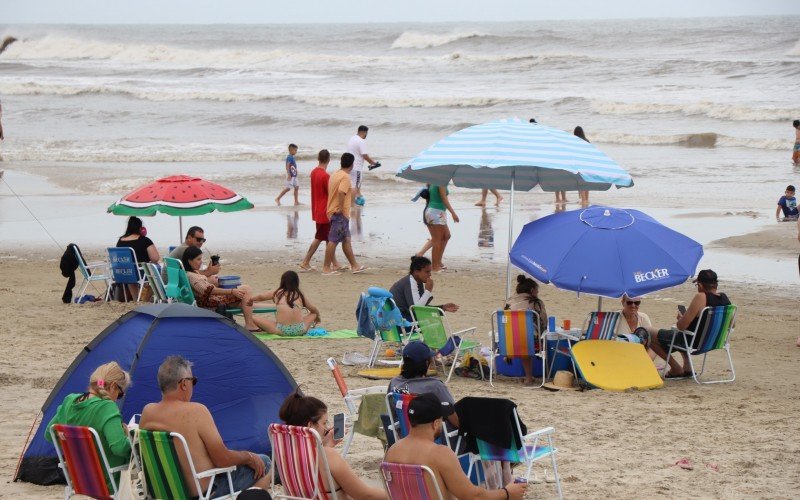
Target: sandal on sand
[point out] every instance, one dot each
(332, 273)
(306, 269)
(685, 463)
(360, 269)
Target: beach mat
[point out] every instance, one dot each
(337, 334)
(615, 366)
(386, 373)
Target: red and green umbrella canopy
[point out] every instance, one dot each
(179, 195)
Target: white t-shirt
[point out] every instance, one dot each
(358, 148)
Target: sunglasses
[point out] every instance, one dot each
(121, 393)
(201, 240)
(193, 379)
(633, 302)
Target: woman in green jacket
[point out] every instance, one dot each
(97, 408)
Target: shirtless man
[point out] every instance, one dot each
(175, 413)
(425, 413)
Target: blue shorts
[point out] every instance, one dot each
(340, 228)
(243, 478)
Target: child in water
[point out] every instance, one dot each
(796, 149)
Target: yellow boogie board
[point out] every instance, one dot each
(615, 366)
(387, 373)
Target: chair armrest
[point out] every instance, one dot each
(466, 331)
(119, 468)
(375, 389)
(94, 265)
(567, 336)
(214, 472)
(540, 432)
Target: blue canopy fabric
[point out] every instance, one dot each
(605, 251)
(488, 155)
(241, 381)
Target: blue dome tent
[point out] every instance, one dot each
(241, 381)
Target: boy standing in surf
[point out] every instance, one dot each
(796, 149)
(291, 176)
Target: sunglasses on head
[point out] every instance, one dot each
(633, 302)
(193, 379)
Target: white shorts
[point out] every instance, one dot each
(292, 183)
(355, 179)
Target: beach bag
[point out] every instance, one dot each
(425, 194)
(131, 483)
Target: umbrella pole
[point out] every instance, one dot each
(510, 238)
(599, 303)
(180, 229)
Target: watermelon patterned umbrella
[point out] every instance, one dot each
(179, 195)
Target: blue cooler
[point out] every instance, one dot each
(229, 281)
(515, 369)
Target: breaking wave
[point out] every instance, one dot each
(720, 111)
(419, 40)
(698, 140)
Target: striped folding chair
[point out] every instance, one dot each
(713, 331)
(599, 325)
(514, 336)
(435, 329)
(163, 476)
(352, 400)
(300, 461)
(84, 462)
(408, 482)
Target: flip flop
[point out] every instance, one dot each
(332, 273)
(360, 269)
(685, 463)
(306, 269)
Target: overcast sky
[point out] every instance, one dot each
(361, 11)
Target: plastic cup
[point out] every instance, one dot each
(567, 324)
(551, 324)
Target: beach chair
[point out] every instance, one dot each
(301, 463)
(529, 448)
(713, 331)
(163, 476)
(125, 269)
(387, 322)
(514, 335)
(84, 463)
(92, 272)
(432, 324)
(397, 409)
(153, 275)
(179, 289)
(408, 482)
(352, 400)
(599, 325)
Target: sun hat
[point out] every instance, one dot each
(706, 276)
(427, 408)
(562, 381)
(417, 351)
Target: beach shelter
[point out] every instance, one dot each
(179, 195)
(240, 380)
(516, 155)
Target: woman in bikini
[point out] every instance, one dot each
(290, 302)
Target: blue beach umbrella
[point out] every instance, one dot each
(516, 155)
(605, 251)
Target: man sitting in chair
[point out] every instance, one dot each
(175, 413)
(425, 412)
(195, 237)
(706, 296)
(416, 288)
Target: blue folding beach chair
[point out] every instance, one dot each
(599, 325)
(388, 324)
(125, 269)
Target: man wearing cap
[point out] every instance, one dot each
(425, 413)
(413, 378)
(706, 296)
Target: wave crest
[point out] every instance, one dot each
(720, 111)
(419, 40)
(794, 51)
(697, 140)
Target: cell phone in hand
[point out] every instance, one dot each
(214, 260)
(682, 309)
(338, 426)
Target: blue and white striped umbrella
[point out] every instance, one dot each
(492, 154)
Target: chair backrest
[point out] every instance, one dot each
(124, 267)
(153, 275)
(516, 333)
(715, 325)
(163, 476)
(300, 462)
(397, 406)
(84, 462)
(431, 324)
(81, 263)
(602, 325)
(178, 287)
(337, 376)
(408, 482)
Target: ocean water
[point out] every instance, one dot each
(699, 111)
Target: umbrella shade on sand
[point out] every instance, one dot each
(179, 195)
(605, 251)
(515, 155)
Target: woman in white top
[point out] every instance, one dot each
(632, 318)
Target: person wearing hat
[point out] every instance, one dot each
(413, 378)
(425, 413)
(706, 296)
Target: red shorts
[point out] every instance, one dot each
(322, 231)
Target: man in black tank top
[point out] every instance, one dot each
(706, 296)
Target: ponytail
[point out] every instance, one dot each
(105, 375)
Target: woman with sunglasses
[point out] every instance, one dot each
(633, 319)
(97, 408)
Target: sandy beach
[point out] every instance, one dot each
(620, 445)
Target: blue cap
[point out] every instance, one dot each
(417, 351)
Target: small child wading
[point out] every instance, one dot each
(291, 176)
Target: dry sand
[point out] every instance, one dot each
(614, 445)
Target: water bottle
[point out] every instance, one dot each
(551, 323)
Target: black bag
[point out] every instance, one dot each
(68, 265)
(425, 194)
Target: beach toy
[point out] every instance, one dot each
(360, 201)
(615, 366)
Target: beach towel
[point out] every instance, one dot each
(369, 414)
(338, 334)
(364, 323)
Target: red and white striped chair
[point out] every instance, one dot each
(301, 463)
